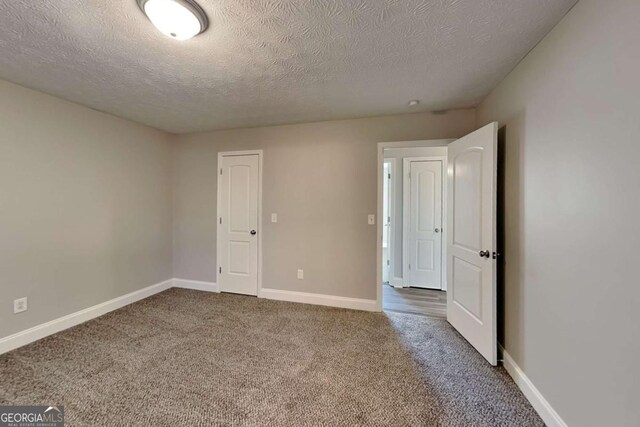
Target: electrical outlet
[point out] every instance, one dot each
(274, 217)
(371, 219)
(19, 305)
(300, 274)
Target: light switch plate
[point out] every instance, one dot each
(300, 274)
(372, 219)
(274, 217)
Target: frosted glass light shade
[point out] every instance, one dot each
(178, 19)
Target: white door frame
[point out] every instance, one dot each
(381, 147)
(222, 154)
(392, 214)
(406, 212)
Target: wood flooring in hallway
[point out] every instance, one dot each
(425, 302)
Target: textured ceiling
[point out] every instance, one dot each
(264, 62)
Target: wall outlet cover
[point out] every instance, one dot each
(371, 219)
(274, 217)
(20, 305)
(300, 274)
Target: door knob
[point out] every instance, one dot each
(253, 232)
(437, 230)
(484, 254)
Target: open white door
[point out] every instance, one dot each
(471, 239)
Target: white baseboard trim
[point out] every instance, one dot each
(533, 395)
(196, 284)
(35, 333)
(319, 299)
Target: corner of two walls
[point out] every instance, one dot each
(98, 207)
(86, 207)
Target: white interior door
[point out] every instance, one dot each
(238, 224)
(471, 235)
(424, 228)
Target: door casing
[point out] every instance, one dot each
(390, 181)
(222, 154)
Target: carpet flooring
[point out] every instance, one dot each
(192, 358)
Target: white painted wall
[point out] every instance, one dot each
(85, 207)
(571, 111)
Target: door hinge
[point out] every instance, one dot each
(389, 219)
(409, 266)
(387, 262)
(220, 270)
(220, 171)
(220, 220)
(389, 176)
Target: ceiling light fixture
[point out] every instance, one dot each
(178, 19)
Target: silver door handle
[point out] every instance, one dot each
(437, 230)
(253, 232)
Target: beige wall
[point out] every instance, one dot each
(321, 180)
(571, 109)
(85, 207)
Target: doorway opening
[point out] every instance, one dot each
(471, 251)
(413, 216)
